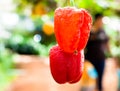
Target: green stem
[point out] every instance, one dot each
(72, 2)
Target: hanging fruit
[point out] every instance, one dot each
(66, 67)
(48, 28)
(72, 29)
(39, 9)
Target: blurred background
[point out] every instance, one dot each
(27, 34)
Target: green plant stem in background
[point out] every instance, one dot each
(72, 3)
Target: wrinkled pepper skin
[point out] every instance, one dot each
(72, 27)
(67, 23)
(66, 67)
(85, 30)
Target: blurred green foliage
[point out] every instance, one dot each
(27, 46)
(6, 67)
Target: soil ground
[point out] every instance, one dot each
(35, 76)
